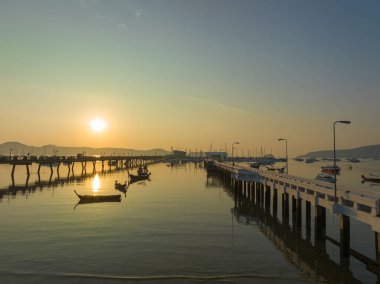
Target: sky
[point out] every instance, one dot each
(191, 74)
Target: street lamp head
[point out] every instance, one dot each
(342, 121)
(237, 142)
(281, 139)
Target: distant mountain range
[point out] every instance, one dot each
(365, 152)
(17, 148)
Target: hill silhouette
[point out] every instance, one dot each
(364, 152)
(17, 148)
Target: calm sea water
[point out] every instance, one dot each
(182, 226)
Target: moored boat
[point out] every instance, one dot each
(255, 165)
(325, 177)
(371, 178)
(98, 198)
(331, 169)
(120, 186)
(142, 174)
(135, 178)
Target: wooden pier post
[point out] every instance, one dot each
(320, 223)
(308, 220)
(299, 213)
(344, 236)
(13, 170)
(27, 170)
(294, 211)
(267, 198)
(274, 202)
(285, 207)
(249, 191)
(377, 247)
(258, 194)
(253, 184)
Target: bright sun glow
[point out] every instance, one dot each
(98, 125)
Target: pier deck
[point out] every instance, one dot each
(361, 204)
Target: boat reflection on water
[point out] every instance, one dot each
(310, 256)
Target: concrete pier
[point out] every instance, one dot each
(361, 205)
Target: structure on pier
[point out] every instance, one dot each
(265, 186)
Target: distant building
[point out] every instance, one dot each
(218, 156)
(179, 154)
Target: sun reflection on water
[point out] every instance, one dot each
(95, 184)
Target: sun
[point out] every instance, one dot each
(98, 125)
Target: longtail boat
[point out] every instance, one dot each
(371, 178)
(135, 178)
(142, 174)
(120, 186)
(98, 198)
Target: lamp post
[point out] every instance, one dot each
(232, 150)
(335, 122)
(286, 152)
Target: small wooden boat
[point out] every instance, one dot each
(135, 178)
(120, 186)
(371, 178)
(142, 174)
(98, 198)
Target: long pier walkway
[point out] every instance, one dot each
(69, 161)
(264, 187)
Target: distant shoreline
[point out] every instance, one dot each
(17, 148)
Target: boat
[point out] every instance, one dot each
(98, 198)
(371, 178)
(255, 165)
(331, 169)
(298, 159)
(353, 160)
(325, 177)
(120, 186)
(142, 174)
(310, 160)
(139, 177)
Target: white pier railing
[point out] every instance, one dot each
(360, 204)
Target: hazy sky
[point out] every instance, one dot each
(186, 73)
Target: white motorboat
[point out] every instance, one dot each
(325, 177)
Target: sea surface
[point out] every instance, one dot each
(182, 226)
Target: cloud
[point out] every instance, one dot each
(92, 7)
(123, 26)
(215, 104)
(138, 14)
